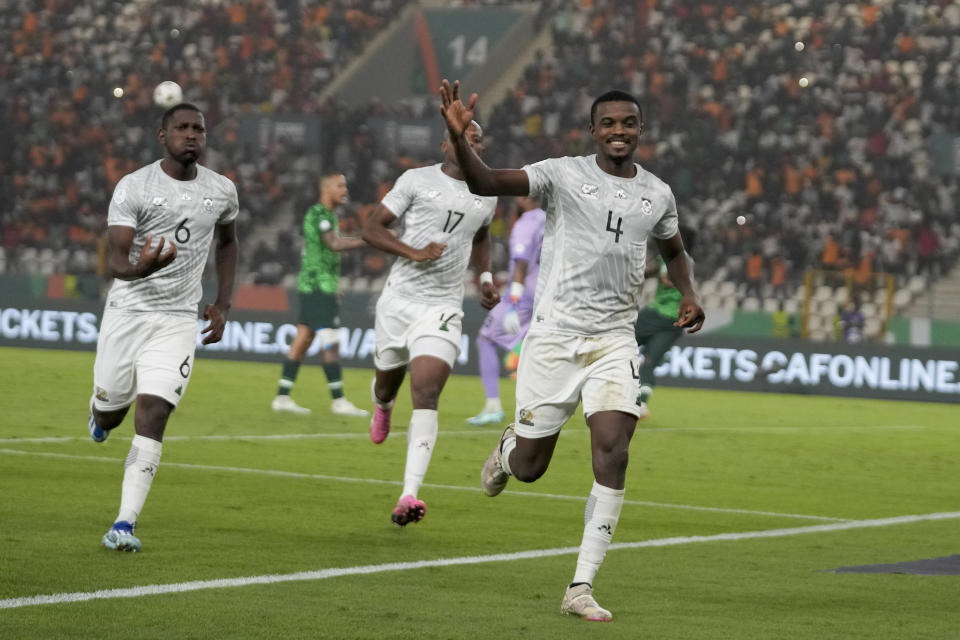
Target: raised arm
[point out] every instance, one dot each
(680, 270)
(376, 234)
(152, 257)
(481, 179)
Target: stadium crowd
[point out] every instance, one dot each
(810, 119)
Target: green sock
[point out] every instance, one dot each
(289, 376)
(334, 374)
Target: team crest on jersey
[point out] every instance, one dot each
(478, 203)
(526, 417)
(591, 191)
(646, 207)
(101, 394)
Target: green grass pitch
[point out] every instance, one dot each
(790, 480)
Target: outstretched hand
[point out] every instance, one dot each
(456, 114)
(691, 315)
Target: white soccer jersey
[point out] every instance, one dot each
(184, 212)
(595, 243)
(435, 208)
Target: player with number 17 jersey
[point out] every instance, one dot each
(184, 212)
(435, 208)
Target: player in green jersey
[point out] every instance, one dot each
(655, 329)
(319, 307)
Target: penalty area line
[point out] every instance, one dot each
(323, 574)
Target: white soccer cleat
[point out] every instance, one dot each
(578, 601)
(120, 537)
(286, 403)
(493, 477)
(486, 417)
(343, 407)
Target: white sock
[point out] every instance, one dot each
(421, 439)
(493, 405)
(599, 521)
(506, 448)
(139, 470)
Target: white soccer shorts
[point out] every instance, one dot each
(143, 353)
(557, 371)
(406, 329)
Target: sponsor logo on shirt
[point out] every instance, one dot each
(159, 201)
(433, 194)
(621, 194)
(591, 191)
(185, 197)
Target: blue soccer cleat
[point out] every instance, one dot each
(96, 433)
(121, 538)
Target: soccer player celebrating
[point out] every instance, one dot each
(580, 346)
(418, 318)
(160, 224)
(319, 307)
(507, 324)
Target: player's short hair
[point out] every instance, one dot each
(614, 96)
(183, 106)
(326, 177)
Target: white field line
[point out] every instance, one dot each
(317, 476)
(222, 583)
(479, 432)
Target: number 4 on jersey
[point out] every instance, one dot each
(619, 230)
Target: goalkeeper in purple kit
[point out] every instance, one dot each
(507, 323)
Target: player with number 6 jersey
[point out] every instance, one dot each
(418, 319)
(161, 222)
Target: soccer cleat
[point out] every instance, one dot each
(486, 417)
(578, 601)
(493, 477)
(98, 434)
(343, 407)
(408, 510)
(286, 403)
(120, 537)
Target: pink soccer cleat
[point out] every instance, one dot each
(408, 510)
(380, 424)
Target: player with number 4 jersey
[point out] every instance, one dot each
(580, 346)
(161, 222)
(418, 319)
